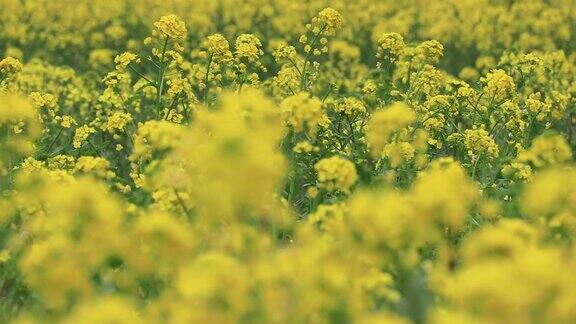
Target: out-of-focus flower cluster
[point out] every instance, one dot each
(287, 162)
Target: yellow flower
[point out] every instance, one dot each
(105, 310)
(327, 216)
(385, 122)
(390, 47)
(303, 112)
(305, 147)
(430, 51)
(399, 152)
(218, 47)
(551, 199)
(124, 59)
(248, 46)
(329, 20)
(498, 85)
(4, 256)
(336, 173)
(117, 121)
(312, 192)
(288, 52)
(448, 205)
(350, 106)
(96, 165)
(10, 66)
(479, 144)
(81, 134)
(546, 150)
(171, 26)
(67, 121)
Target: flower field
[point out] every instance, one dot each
(274, 161)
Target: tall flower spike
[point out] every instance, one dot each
(171, 26)
(331, 19)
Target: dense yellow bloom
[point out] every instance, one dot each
(63, 162)
(385, 122)
(105, 310)
(117, 121)
(288, 52)
(14, 109)
(507, 290)
(303, 112)
(508, 238)
(20, 126)
(237, 141)
(498, 85)
(479, 144)
(171, 26)
(399, 152)
(382, 219)
(286, 81)
(81, 135)
(551, 199)
(350, 106)
(155, 136)
(430, 51)
(518, 170)
(218, 47)
(10, 66)
(448, 205)
(336, 173)
(248, 47)
(240, 163)
(96, 165)
(124, 59)
(327, 217)
(67, 121)
(546, 150)
(390, 46)
(327, 22)
(305, 147)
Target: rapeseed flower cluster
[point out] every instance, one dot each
(267, 161)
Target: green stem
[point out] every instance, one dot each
(182, 204)
(161, 76)
(296, 66)
(54, 140)
(142, 76)
(307, 57)
(206, 86)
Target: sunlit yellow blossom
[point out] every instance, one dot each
(218, 47)
(390, 46)
(479, 144)
(350, 106)
(430, 51)
(248, 47)
(171, 26)
(124, 59)
(449, 205)
(305, 147)
(384, 122)
(81, 135)
(336, 173)
(117, 121)
(98, 166)
(498, 85)
(546, 150)
(283, 161)
(328, 21)
(10, 66)
(303, 112)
